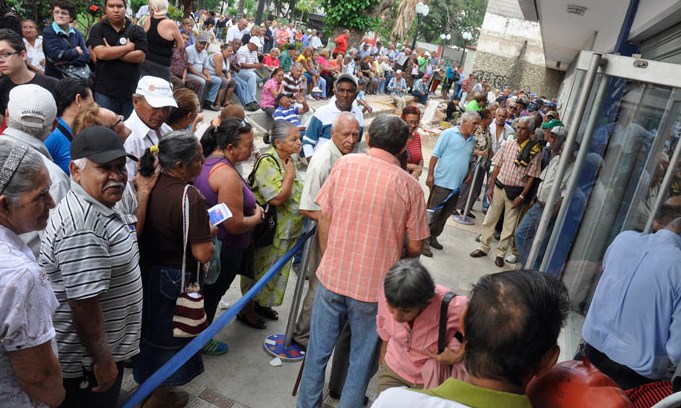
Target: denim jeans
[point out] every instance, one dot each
(118, 106)
(421, 96)
(242, 91)
(213, 87)
(525, 232)
(329, 314)
(251, 78)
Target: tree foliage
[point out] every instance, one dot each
(353, 14)
(453, 17)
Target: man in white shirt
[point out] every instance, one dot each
(315, 41)
(247, 57)
(237, 31)
(198, 56)
(152, 102)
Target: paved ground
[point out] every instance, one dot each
(244, 377)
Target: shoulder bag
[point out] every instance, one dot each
(190, 316)
(263, 233)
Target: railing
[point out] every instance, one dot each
(195, 346)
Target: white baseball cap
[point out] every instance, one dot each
(32, 106)
(157, 91)
(255, 40)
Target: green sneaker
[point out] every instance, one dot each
(215, 348)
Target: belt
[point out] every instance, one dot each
(499, 184)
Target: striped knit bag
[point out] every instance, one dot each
(190, 317)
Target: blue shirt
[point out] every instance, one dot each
(59, 146)
(289, 115)
(635, 315)
(454, 157)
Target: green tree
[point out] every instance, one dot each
(353, 14)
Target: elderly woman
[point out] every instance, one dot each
(225, 146)
(31, 375)
(35, 57)
(276, 183)
(95, 115)
(64, 45)
(408, 323)
(218, 65)
(483, 149)
(72, 95)
(162, 252)
(412, 116)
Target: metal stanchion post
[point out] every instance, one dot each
(280, 345)
(463, 218)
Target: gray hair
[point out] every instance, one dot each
(529, 121)
(408, 285)
(80, 163)
(468, 116)
(161, 5)
(23, 179)
(39, 133)
(280, 131)
(341, 116)
(298, 65)
(389, 133)
(178, 145)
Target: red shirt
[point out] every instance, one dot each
(341, 44)
(414, 148)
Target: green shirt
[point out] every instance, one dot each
(477, 397)
(285, 61)
(473, 106)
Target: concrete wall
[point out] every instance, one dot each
(510, 52)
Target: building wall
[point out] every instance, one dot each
(510, 52)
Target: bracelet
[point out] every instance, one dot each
(521, 197)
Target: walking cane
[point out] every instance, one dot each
(463, 218)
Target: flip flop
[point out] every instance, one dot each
(267, 312)
(258, 324)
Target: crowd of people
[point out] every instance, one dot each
(109, 172)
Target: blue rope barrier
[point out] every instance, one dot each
(195, 346)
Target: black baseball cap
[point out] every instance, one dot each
(99, 144)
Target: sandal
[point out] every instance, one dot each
(267, 312)
(257, 324)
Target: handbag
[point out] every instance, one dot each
(82, 72)
(263, 233)
(189, 318)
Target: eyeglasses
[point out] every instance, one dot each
(120, 119)
(413, 122)
(6, 54)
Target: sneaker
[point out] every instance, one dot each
(215, 348)
(310, 98)
(224, 304)
(511, 259)
(316, 90)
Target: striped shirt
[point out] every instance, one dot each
(373, 203)
(88, 251)
(246, 56)
(511, 174)
(289, 115)
(291, 85)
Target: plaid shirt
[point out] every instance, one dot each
(510, 174)
(369, 218)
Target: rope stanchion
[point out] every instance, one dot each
(195, 346)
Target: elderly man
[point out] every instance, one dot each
(633, 328)
(379, 213)
(153, 101)
(91, 258)
(344, 138)
(516, 166)
(237, 31)
(14, 70)
(397, 86)
(120, 47)
(31, 117)
(319, 130)
(196, 70)
(500, 359)
(524, 234)
(449, 166)
(315, 41)
(247, 57)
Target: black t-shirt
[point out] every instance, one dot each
(7, 85)
(116, 78)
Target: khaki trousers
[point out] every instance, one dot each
(500, 205)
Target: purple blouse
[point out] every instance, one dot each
(201, 182)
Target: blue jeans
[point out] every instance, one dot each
(525, 232)
(329, 314)
(421, 96)
(251, 78)
(242, 91)
(213, 87)
(118, 106)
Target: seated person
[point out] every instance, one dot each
(453, 109)
(287, 111)
(271, 59)
(362, 98)
(420, 89)
(405, 323)
(511, 330)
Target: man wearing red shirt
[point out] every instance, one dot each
(341, 43)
